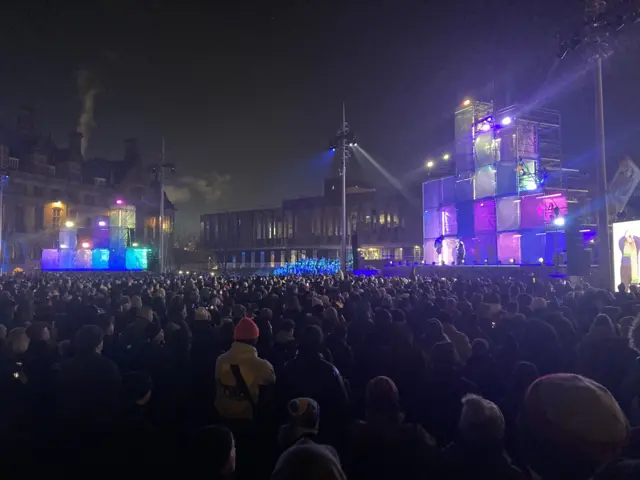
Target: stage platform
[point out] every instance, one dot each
(492, 271)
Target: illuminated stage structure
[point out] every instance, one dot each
(510, 200)
(106, 245)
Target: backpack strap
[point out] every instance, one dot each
(242, 385)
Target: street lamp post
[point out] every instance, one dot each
(344, 139)
(600, 25)
(161, 169)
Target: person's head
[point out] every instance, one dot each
(310, 339)
(136, 388)
(382, 319)
(39, 331)
(105, 321)
(88, 340)
(479, 347)
(602, 326)
(522, 376)
(444, 356)
(145, 313)
(18, 341)
(625, 326)
(304, 414)
(481, 421)
(383, 399)
(136, 301)
(308, 461)
(154, 333)
(246, 331)
(215, 447)
(202, 315)
(571, 426)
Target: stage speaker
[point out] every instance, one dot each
(578, 259)
(354, 251)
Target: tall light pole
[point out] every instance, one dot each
(343, 140)
(161, 169)
(599, 26)
(3, 179)
(343, 243)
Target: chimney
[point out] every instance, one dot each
(25, 120)
(131, 153)
(75, 147)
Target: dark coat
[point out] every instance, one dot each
(88, 391)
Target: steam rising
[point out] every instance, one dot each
(88, 88)
(208, 188)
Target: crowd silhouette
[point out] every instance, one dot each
(320, 376)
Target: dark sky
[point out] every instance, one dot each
(248, 94)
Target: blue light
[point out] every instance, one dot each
(311, 266)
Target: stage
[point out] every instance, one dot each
(492, 271)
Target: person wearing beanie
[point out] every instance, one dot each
(302, 423)
(571, 427)
(241, 376)
(88, 385)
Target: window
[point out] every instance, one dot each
(261, 259)
(72, 196)
(315, 253)
(303, 254)
(38, 191)
(39, 217)
(253, 259)
(99, 182)
(55, 195)
(282, 258)
(19, 216)
(244, 256)
(55, 217)
(89, 200)
(294, 254)
(272, 259)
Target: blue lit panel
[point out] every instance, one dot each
(136, 259)
(100, 259)
(67, 259)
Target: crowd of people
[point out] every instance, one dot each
(321, 377)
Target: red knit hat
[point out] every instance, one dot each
(246, 330)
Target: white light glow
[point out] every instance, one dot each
(485, 127)
(558, 221)
(506, 121)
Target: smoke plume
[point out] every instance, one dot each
(206, 189)
(88, 89)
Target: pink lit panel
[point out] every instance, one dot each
(484, 215)
(509, 248)
(537, 211)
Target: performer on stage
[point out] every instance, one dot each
(629, 246)
(461, 252)
(437, 244)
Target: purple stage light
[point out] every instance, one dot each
(119, 201)
(506, 121)
(102, 223)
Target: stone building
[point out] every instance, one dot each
(46, 186)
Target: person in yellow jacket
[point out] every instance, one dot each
(240, 374)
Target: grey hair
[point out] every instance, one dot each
(481, 418)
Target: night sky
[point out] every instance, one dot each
(248, 95)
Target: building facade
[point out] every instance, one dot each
(47, 187)
(386, 223)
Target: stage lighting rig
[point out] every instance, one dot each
(344, 140)
(602, 20)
